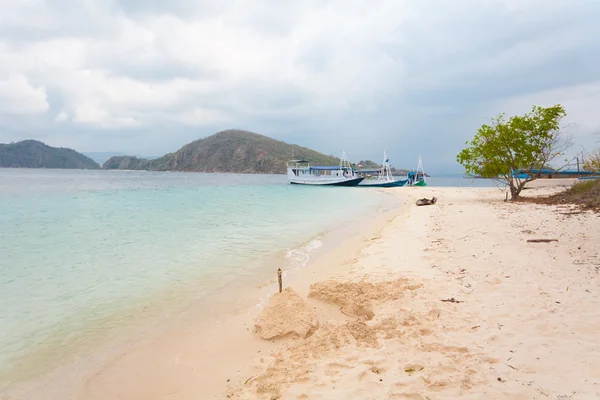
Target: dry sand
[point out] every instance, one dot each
(367, 320)
(525, 324)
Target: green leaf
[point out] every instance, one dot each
(518, 143)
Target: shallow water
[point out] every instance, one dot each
(84, 252)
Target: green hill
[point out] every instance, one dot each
(125, 162)
(227, 151)
(34, 154)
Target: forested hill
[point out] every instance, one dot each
(227, 151)
(34, 154)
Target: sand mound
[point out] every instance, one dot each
(286, 315)
(305, 360)
(356, 299)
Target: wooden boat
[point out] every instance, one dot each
(417, 177)
(383, 176)
(300, 172)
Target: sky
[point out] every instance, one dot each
(411, 77)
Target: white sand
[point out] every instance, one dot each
(527, 324)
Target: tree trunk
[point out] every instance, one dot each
(515, 189)
(514, 192)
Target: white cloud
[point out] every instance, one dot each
(581, 102)
(338, 67)
(19, 97)
(61, 117)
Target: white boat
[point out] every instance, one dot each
(383, 176)
(300, 172)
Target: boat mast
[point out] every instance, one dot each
(385, 168)
(420, 166)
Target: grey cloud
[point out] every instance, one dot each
(449, 65)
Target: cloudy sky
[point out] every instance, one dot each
(407, 76)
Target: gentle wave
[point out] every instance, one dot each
(85, 253)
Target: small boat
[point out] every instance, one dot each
(418, 176)
(300, 172)
(384, 177)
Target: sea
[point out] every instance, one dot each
(86, 253)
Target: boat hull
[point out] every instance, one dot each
(315, 182)
(398, 183)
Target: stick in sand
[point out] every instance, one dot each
(279, 279)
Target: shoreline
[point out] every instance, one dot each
(70, 380)
(463, 307)
(473, 311)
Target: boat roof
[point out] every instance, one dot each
(368, 171)
(298, 161)
(327, 167)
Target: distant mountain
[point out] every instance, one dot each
(126, 162)
(227, 151)
(34, 154)
(102, 156)
(368, 164)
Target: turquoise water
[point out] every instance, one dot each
(85, 251)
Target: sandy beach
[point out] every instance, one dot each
(437, 302)
(522, 322)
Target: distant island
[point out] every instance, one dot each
(35, 154)
(102, 156)
(235, 151)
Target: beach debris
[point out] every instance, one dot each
(453, 300)
(286, 315)
(426, 202)
(410, 370)
(279, 279)
(541, 240)
(516, 369)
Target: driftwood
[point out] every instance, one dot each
(541, 240)
(452, 300)
(280, 279)
(426, 202)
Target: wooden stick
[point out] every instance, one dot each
(542, 240)
(279, 278)
(453, 300)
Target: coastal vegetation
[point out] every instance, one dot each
(584, 195)
(227, 151)
(592, 161)
(35, 154)
(507, 147)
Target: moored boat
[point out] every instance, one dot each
(300, 172)
(417, 177)
(383, 176)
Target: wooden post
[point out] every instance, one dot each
(506, 198)
(279, 279)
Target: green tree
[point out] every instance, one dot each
(506, 148)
